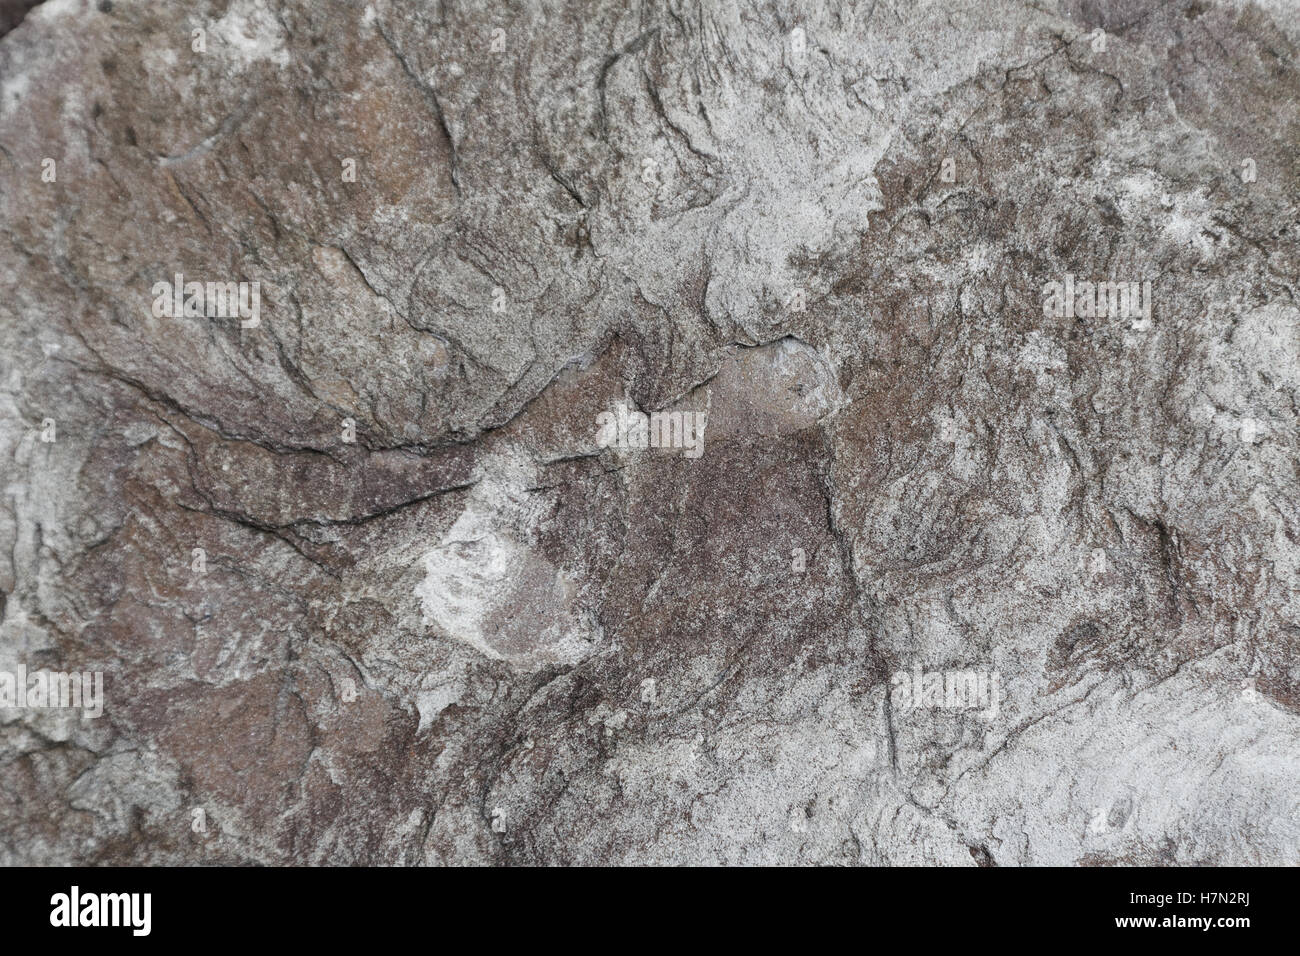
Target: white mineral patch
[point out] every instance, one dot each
(249, 32)
(485, 586)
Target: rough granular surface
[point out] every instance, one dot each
(604, 433)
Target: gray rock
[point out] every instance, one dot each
(655, 435)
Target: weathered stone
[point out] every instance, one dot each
(957, 576)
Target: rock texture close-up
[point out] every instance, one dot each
(710, 432)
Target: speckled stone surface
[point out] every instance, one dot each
(935, 562)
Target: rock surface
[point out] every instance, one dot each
(365, 580)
